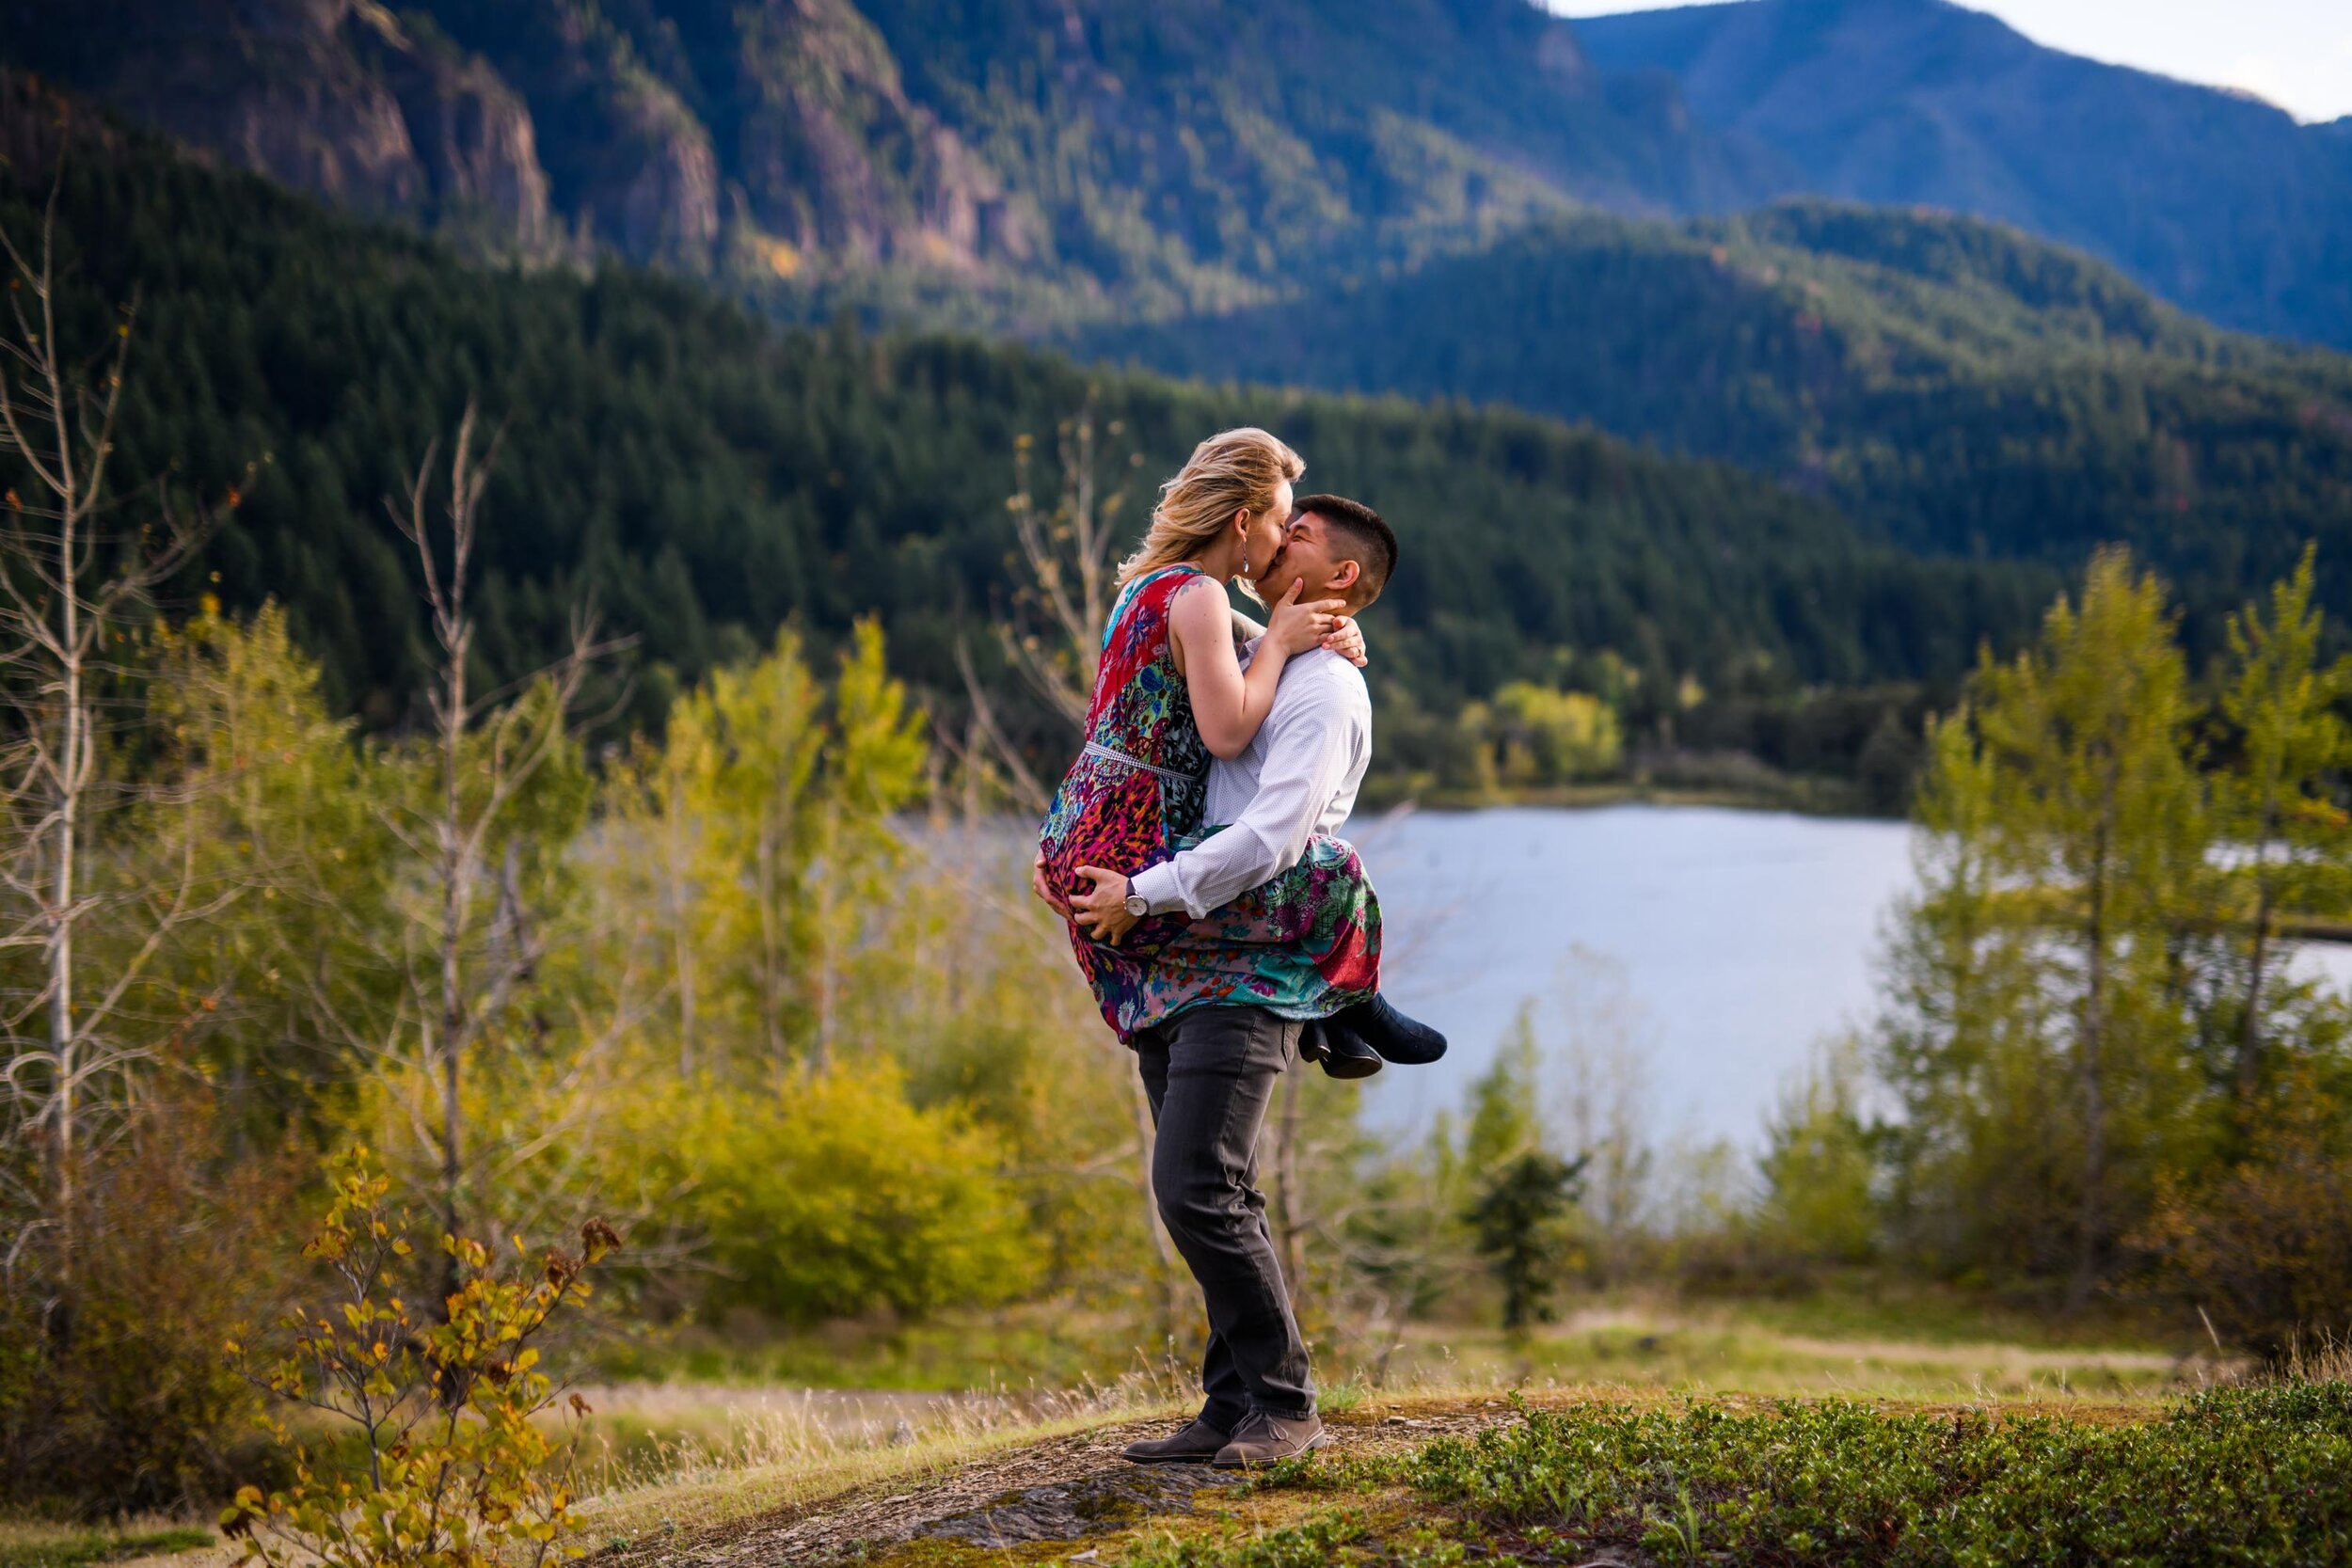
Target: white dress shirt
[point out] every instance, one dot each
(1298, 777)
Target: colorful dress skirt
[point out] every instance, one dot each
(1303, 945)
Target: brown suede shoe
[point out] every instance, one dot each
(1197, 1444)
(1261, 1439)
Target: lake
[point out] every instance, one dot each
(1716, 947)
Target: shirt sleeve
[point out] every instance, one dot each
(1310, 743)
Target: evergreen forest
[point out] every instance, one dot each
(1950, 385)
(701, 477)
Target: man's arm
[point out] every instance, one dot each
(1312, 744)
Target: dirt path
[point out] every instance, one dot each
(1065, 1489)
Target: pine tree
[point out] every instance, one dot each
(2276, 802)
(2040, 1040)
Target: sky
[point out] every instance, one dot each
(2297, 53)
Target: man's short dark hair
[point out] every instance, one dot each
(1371, 542)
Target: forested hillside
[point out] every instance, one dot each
(1021, 160)
(702, 477)
(2216, 200)
(1952, 385)
(1393, 197)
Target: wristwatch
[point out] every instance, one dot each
(1136, 904)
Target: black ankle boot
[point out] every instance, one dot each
(1342, 1053)
(1376, 1024)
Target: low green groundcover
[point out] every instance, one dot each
(2250, 1476)
(79, 1549)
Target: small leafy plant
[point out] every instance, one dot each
(2240, 1475)
(459, 1470)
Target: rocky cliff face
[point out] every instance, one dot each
(470, 134)
(631, 166)
(833, 157)
(278, 87)
(396, 116)
(546, 126)
(331, 96)
(1112, 144)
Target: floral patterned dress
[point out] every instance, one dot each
(1304, 946)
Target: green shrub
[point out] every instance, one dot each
(2263, 1245)
(830, 1194)
(1818, 1161)
(112, 1393)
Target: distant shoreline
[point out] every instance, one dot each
(1826, 797)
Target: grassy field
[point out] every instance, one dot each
(39, 1544)
(1853, 1334)
(712, 1431)
(1056, 1347)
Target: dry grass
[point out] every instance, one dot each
(1728, 1350)
(2322, 1359)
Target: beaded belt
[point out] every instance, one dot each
(1171, 775)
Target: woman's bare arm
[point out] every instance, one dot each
(1346, 639)
(1229, 704)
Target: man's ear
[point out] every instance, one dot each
(1344, 576)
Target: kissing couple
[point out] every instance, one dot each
(1226, 931)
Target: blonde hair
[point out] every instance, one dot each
(1231, 469)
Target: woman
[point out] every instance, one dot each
(1171, 692)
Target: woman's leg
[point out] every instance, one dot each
(1304, 946)
(1108, 816)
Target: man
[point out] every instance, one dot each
(1210, 1072)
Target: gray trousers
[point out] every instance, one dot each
(1209, 1076)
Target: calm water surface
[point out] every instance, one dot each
(1727, 943)
(1722, 946)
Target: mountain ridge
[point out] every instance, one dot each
(1953, 385)
(1022, 165)
(2216, 200)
